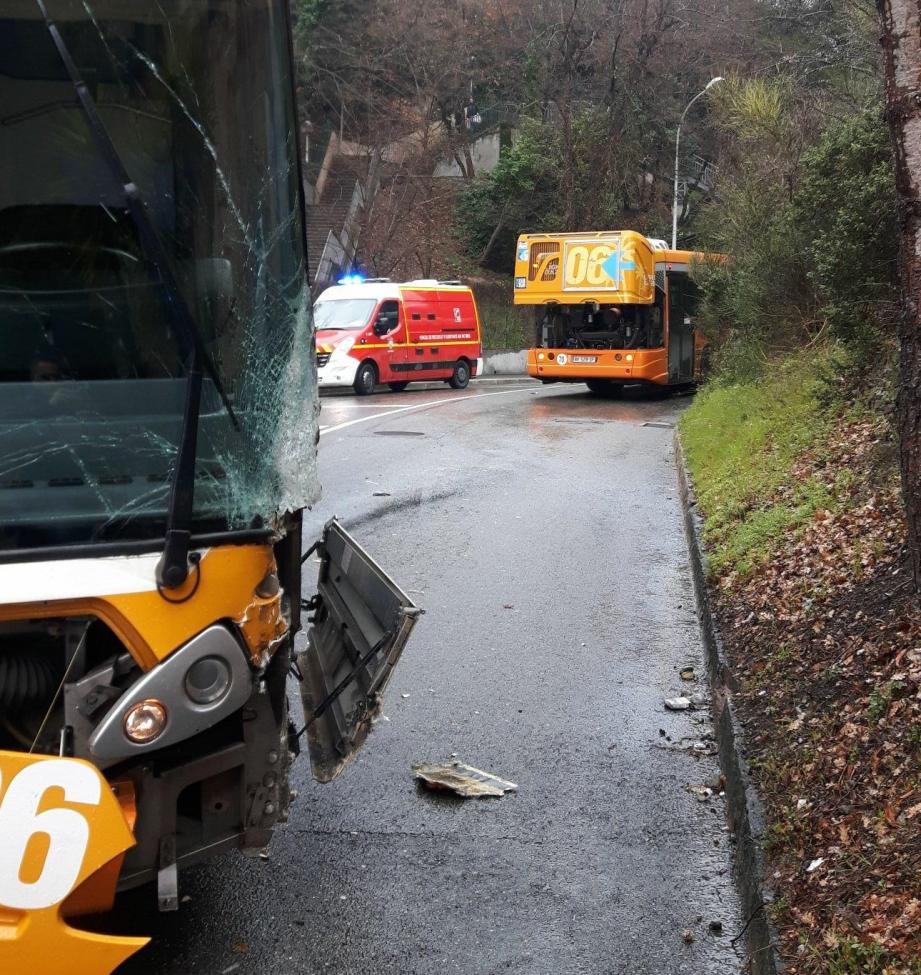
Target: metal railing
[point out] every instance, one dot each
(702, 173)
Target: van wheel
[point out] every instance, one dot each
(398, 387)
(461, 375)
(365, 379)
(605, 388)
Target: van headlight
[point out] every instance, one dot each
(342, 349)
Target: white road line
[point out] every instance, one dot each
(345, 404)
(420, 406)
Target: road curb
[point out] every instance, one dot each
(744, 808)
(483, 382)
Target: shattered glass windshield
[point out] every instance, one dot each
(343, 313)
(196, 96)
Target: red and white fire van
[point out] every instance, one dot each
(377, 331)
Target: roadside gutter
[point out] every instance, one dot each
(744, 807)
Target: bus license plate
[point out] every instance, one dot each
(585, 358)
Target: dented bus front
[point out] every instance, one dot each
(158, 432)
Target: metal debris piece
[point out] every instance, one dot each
(678, 703)
(464, 780)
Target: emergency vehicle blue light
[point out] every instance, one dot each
(351, 279)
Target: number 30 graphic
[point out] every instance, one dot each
(42, 852)
(583, 265)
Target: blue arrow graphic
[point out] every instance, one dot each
(614, 265)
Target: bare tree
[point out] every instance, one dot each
(901, 40)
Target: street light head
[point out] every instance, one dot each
(714, 81)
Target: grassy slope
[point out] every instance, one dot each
(741, 443)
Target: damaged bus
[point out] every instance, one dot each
(613, 308)
(158, 434)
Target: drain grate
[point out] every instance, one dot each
(576, 419)
(659, 424)
(399, 433)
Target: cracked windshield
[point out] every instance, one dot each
(94, 361)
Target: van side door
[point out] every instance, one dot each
(390, 335)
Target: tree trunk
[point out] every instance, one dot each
(483, 259)
(901, 40)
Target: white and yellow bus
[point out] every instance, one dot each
(158, 432)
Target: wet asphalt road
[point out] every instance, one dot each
(541, 530)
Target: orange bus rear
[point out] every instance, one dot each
(613, 308)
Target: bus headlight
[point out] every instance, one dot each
(208, 680)
(199, 684)
(145, 721)
(540, 356)
(629, 357)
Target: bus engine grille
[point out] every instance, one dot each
(539, 251)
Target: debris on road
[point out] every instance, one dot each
(464, 780)
(381, 494)
(695, 746)
(687, 936)
(687, 673)
(683, 702)
(703, 792)
(716, 927)
(717, 783)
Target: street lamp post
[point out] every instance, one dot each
(710, 84)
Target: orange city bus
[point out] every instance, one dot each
(614, 308)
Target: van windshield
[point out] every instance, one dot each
(343, 313)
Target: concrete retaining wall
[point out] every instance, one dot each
(505, 363)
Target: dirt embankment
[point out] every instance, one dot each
(825, 639)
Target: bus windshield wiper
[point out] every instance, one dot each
(173, 567)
